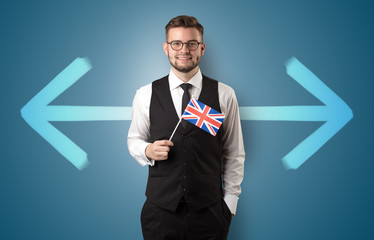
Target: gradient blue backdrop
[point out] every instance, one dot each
(43, 196)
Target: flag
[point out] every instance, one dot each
(203, 116)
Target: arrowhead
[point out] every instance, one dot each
(35, 111)
(338, 114)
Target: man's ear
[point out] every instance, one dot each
(202, 48)
(165, 46)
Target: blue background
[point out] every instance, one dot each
(43, 196)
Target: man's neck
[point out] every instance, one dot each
(185, 77)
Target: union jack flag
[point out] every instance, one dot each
(203, 116)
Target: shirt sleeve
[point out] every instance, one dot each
(233, 147)
(137, 139)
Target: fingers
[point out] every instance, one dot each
(164, 143)
(158, 150)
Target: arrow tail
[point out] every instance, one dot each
(87, 113)
(285, 113)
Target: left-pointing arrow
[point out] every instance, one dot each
(37, 113)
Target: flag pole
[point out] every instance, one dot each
(175, 129)
(180, 119)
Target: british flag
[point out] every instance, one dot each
(203, 116)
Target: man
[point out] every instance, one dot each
(185, 196)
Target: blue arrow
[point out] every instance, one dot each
(335, 114)
(37, 113)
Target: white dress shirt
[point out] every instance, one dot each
(233, 147)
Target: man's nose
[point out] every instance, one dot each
(185, 48)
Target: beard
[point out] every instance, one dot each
(184, 68)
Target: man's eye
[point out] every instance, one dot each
(176, 44)
(192, 44)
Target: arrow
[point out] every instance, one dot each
(37, 113)
(336, 114)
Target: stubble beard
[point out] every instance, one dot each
(185, 69)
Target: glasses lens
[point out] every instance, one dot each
(192, 45)
(176, 45)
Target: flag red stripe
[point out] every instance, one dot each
(203, 116)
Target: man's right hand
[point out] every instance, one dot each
(158, 150)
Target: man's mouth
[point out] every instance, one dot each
(184, 57)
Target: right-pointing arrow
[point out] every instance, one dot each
(335, 113)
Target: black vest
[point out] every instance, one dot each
(193, 167)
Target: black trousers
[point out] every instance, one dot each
(211, 223)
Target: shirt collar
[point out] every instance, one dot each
(195, 81)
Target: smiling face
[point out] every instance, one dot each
(184, 60)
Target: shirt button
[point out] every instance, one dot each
(184, 190)
(185, 149)
(184, 177)
(185, 163)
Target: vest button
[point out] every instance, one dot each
(185, 149)
(184, 177)
(185, 163)
(184, 190)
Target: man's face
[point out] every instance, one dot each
(184, 60)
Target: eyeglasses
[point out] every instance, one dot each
(178, 45)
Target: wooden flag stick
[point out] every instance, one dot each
(175, 129)
(179, 122)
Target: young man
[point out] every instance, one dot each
(185, 196)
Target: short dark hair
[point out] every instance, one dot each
(186, 22)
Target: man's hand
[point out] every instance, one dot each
(158, 150)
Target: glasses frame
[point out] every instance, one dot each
(184, 43)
